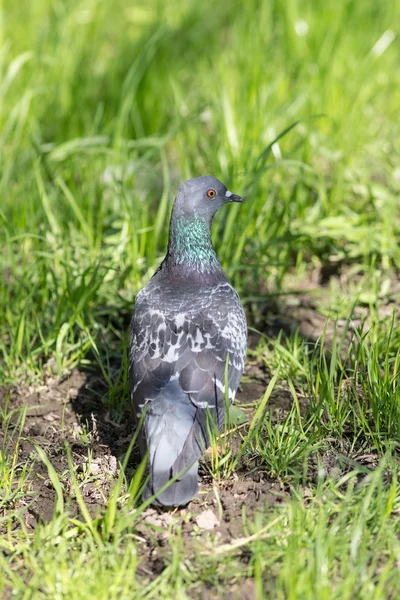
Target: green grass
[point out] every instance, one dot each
(105, 107)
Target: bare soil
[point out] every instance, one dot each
(66, 410)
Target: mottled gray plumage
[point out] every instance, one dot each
(186, 322)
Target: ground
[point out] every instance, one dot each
(65, 411)
(68, 411)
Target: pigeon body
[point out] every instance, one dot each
(188, 328)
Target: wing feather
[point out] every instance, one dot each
(191, 346)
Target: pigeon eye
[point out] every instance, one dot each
(211, 193)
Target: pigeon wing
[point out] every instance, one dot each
(197, 348)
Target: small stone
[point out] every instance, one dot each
(152, 517)
(207, 520)
(112, 464)
(95, 468)
(51, 417)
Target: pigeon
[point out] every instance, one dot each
(188, 339)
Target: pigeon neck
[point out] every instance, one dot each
(190, 244)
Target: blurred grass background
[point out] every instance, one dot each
(106, 107)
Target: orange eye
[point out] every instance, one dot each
(211, 193)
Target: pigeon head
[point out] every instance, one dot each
(190, 246)
(202, 197)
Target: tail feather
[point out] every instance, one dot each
(174, 447)
(195, 444)
(178, 493)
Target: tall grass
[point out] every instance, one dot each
(105, 108)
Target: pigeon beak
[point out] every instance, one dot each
(232, 197)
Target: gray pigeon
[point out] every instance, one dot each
(188, 328)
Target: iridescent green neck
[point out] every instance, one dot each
(190, 244)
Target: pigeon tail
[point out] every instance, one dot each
(170, 420)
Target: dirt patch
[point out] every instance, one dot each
(211, 520)
(71, 411)
(45, 416)
(251, 493)
(67, 411)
